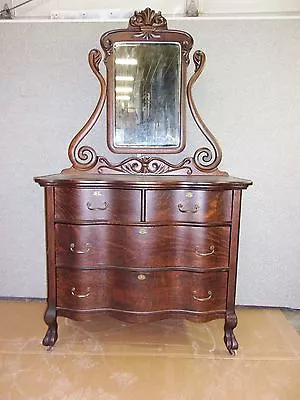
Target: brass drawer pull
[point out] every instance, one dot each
(80, 296)
(101, 208)
(198, 252)
(88, 248)
(195, 297)
(141, 277)
(192, 211)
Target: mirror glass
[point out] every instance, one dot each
(147, 94)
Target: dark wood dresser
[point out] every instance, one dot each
(144, 239)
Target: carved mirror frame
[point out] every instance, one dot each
(146, 26)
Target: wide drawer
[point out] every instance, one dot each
(115, 206)
(141, 291)
(142, 246)
(197, 206)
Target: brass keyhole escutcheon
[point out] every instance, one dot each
(141, 277)
(189, 195)
(142, 231)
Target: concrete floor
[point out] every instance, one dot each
(106, 359)
(293, 316)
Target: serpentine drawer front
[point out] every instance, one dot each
(181, 246)
(97, 204)
(141, 291)
(196, 206)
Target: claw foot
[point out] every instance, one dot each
(230, 342)
(229, 338)
(50, 338)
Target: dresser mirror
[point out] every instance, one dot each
(143, 239)
(146, 93)
(146, 85)
(146, 89)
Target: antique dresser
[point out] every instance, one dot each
(143, 238)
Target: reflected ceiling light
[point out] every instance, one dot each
(122, 97)
(124, 89)
(124, 78)
(126, 61)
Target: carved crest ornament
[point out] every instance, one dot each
(145, 26)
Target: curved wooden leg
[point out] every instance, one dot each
(229, 337)
(51, 334)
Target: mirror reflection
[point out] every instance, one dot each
(147, 94)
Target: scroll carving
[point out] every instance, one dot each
(148, 18)
(107, 46)
(85, 157)
(147, 22)
(205, 159)
(145, 165)
(186, 48)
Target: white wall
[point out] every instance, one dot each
(44, 7)
(244, 6)
(248, 95)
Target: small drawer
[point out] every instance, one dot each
(197, 206)
(113, 205)
(140, 291)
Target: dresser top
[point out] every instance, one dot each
(141, 181)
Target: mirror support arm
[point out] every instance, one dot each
(85, 157)
(205, 159)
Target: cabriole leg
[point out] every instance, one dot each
(51, 334)
(229, 337)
